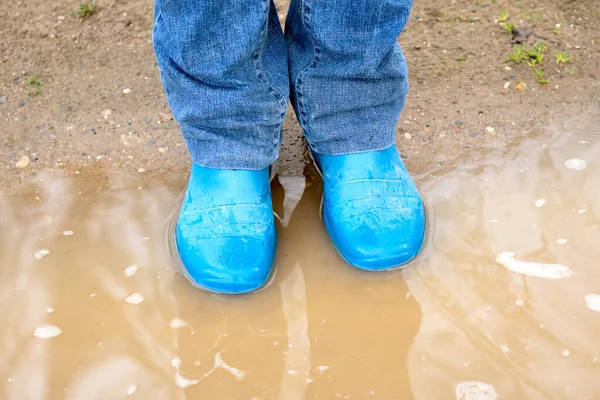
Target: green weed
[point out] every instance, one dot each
(35, 84)
(518, 55)
(509, 27)
(563, 57)
(503, 17)
(33, 92)
(532, 56)
(539, 75)
(34, 80)
(85, 9)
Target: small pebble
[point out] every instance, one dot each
(41, 254)
(162, 150)
(519, 303)
(506, 85)
(23, 162)
(68, 233)
(407, 135)
(135, 298)
(141, 170)
(2, 99)
(566, 353)
(47, 331)
(489, 129)
(521, 87)
(126, 91)
(561, 241)
(50, 310)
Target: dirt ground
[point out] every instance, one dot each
(82, 94)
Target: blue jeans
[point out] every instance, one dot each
(228, 71)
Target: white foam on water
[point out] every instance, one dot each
(534, 269)
(178, 323)
(237, 373)
(219, 363)
(131, 270)
(176, 362)
(47, 331)
(474, 390)
(41, 254)
(576, 164)
(593, 301)
(540, 203)
(134, 298)
(183, 382)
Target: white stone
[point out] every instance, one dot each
(134, 298)
(593, 302)
(473, 390)
(41, 254)
(576, 164)
(47, 331)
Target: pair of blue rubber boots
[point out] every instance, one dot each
(226, 237)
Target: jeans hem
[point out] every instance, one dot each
(215, 161)
(354, 151)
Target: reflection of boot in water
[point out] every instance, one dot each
(360, 326)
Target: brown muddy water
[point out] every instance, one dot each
(503, 303)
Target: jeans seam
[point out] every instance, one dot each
(258, 64)
(261, 75)
(305, 9)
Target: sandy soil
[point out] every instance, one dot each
(101, 104)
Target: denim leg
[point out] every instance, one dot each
(347, 72)
(223, 65)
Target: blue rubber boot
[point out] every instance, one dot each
(372, 209)
(225, 233)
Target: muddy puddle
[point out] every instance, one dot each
(504, 303)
